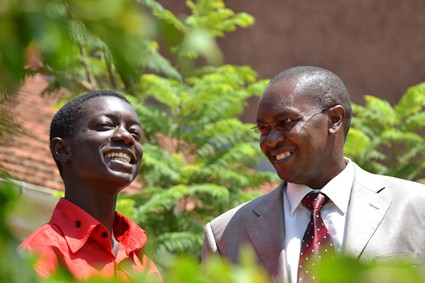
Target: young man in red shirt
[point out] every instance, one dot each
(95, 140)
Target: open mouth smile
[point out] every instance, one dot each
(120, 156)
(283, 155)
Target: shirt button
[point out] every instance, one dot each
(77, 224)
(104, 235)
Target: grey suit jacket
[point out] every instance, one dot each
(386, 221)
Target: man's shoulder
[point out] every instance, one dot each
(228, 215)
(42, 238)
(388, 184)
(249, 209)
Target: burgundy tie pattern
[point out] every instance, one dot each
(316, 241)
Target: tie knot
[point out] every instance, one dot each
(314, 200)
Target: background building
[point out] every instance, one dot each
(375, 46)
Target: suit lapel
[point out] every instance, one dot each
(366, 210)
(266, 233)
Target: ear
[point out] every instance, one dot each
(336, 118)
(60, 149)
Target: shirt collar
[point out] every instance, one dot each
(78, 226)
(338, 190)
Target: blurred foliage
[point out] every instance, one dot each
(349, 270)
(13, 269)
(390, 140)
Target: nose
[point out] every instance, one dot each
(274, 137)
(121, 134)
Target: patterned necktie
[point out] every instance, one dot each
(316, 241)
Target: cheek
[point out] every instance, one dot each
(139, 150)
(90, 150)
(312, 149)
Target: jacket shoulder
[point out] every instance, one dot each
(383, 183)
(236, 218)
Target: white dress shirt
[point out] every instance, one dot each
(297, 217)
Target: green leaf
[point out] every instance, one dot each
(164, 14)
(218, 192)
(356, 144)
(412, 101)
(414, 122)
(380, 111)
(179, 242)
(163, 200)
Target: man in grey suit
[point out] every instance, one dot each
(303, 118)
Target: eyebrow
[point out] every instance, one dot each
(285, 115)
(133, 122)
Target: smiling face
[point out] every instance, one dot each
(306, 151)
(105, 148)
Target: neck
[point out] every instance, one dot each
(328, 175)
(100, 206)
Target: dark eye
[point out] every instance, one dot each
(286, 125)
(136, 135)
(104, 125)
(263, 129)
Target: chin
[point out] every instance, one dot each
(286, 177)
(119, 180)
(125, 179)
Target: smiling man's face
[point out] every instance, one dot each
(105, 148)
(302, 153)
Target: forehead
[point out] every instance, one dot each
(285, 95)
(108, 105)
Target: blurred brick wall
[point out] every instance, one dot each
(27, 156)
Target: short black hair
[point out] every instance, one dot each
(64, 121)
(325, 88)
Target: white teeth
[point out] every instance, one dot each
(283, 155)
(123, 157)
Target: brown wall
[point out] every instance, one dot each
(377, 47)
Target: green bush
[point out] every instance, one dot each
(390, 140)
(13, 269)
(209, 167)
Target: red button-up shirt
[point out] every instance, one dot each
(76, 240)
